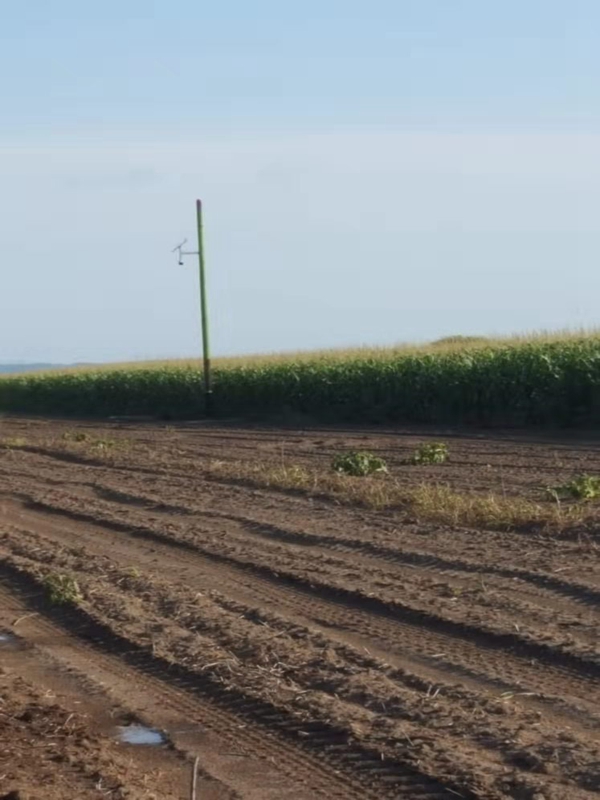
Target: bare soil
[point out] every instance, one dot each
(298, 647)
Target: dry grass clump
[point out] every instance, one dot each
(433, 502)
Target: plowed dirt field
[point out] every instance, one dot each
(296, 645)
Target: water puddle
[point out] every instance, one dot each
(6, 638)
(140, 734)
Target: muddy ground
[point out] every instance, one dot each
(297, 646)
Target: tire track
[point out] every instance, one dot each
(219, 549)
(100, 716)
(361, 622)
(311, 760)
(538, 591)
(470, 728)
(427, 562)
(579, 594)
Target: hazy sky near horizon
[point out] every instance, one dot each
(372, 172)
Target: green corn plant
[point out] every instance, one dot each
(583, 487)
(431, 453)
(359, 464)
(528, 382)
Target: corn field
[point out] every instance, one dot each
(541, 383)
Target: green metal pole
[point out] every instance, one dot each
(208, 395)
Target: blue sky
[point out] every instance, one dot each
(372, 172)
